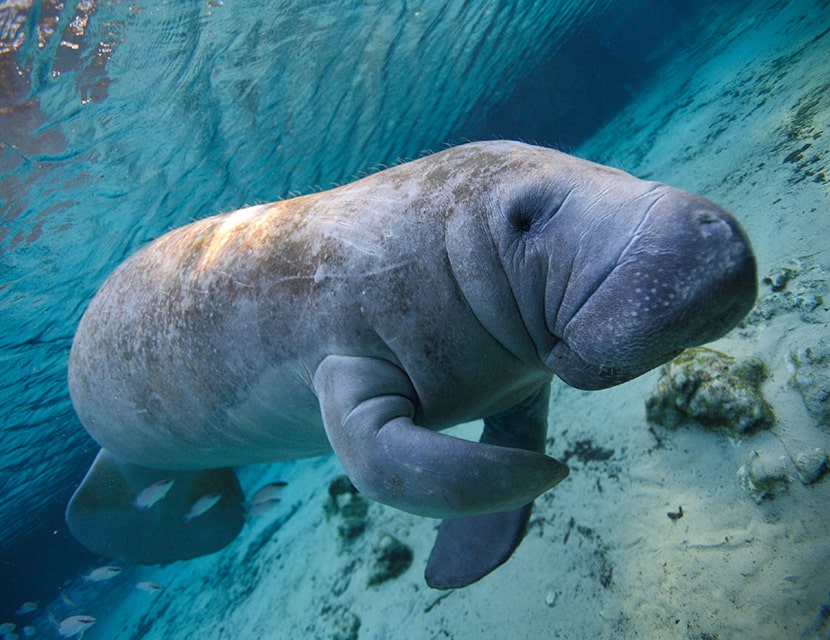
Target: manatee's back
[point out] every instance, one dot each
(174, 342)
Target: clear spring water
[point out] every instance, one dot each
(119, 121)
(122, 120)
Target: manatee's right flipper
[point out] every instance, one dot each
(467, 549)
(103, 517)
(368, 405)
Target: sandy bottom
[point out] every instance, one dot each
(602, 558)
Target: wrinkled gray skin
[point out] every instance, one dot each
(367, 318)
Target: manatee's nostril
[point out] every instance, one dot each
(707, 218)
(713, 225)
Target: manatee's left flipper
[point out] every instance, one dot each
(103, 517)
(368, 406)
(467, 549)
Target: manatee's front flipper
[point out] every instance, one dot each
(368, 405)
(467, 549)
(103, 516)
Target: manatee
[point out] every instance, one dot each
(366, 319)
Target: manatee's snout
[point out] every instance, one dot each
(686, 277)
(728, 285)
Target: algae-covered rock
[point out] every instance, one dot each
(812, 379)
(799, 285)
(390, 558)
(811, 465)
(764, 475)
(712, 389)
(344, 625)
(352, 508)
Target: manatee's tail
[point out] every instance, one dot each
(103, 516)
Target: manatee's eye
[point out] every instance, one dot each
(521, 219)
(531, 209)
(523, 222)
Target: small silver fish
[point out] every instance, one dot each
(29, 631)
(149, 586)
(69, 602)
(74, 625)
(267, 492)
(27, 607)
(260, 508)
(7, 627)
(152, 494)
(103, 573)
(202, 505)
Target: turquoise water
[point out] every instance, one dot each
(120, 121)
(125, 120)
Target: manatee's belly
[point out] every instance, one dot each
(178, 421)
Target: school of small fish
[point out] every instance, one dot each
(152, 494)
(73, 625)
(103, 573)
(149, 586)
(7, 629)
(267, 492)
(261, 508)
(27, 607)
(201, 506)
(263, 500)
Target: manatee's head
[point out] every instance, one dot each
(612, 275)
(680, 274)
